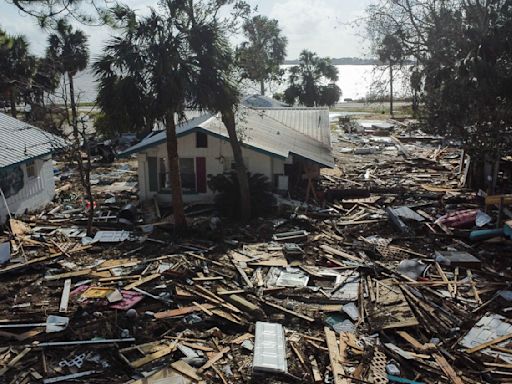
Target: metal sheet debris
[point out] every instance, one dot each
(269, 349)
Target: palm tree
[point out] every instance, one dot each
(152, 55)
(217, 91)
(312, 82)
(174, 59)
(16, 67)
(69, 51)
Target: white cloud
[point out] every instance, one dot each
(323, 26)
(319, 25)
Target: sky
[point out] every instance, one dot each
(323, 26)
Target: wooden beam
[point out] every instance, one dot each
(289, 311)
(181, 311)
(144, 280)
(214, 359)
(182, 367)
(487, 344)
(447, 369)
(337, 252)
(14, 361)
(67, 275)
(334, 357)
(496, 199)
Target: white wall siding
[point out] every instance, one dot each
(36, 192)
(218, 156)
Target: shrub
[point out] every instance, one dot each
(227, 199)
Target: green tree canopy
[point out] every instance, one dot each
(264, 51)
(312, 82)
(464, 66)
(17, 67)
(174, 59)
(49, 12)
(68, 48)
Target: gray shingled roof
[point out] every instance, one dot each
(20, 142)
(260, 130)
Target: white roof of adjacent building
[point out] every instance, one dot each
(21, 142)
(277, 132)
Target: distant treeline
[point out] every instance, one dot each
(347, 61)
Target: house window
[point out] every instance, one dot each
(31, 169)
(188, 175)
(201, 140)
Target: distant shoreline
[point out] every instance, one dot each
(347, 61)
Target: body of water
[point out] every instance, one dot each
(355, 81)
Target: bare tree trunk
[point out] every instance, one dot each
(85, 174)
(88, 188)
(12, 96)
(262, 87)
(228, 118)
(180, 221)
(391, 89)
(415, 104)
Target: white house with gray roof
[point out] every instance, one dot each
(279, 142)
(26, 170)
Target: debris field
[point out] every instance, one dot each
(394, 274)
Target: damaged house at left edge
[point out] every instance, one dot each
(26, 169)
(284, 144)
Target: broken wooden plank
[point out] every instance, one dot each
(14, 267)
(473, 286)
(497, 199)
(415, 343)
(220, 374)
(337, 252)
(163, 351)
(289, 311)
(197, 346)
(208, 278)
(487, 344)
(14, 361)
(317, 376)
(445, 279)
(244, 276)
(141, 281)
(334, 357)
(295, 349)
(214, 359)
(181, 311)
(67, 275)
(447, 369)
(204, 309)
(212, 297)
(64, 300)
(241, 339)
(185, 369)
